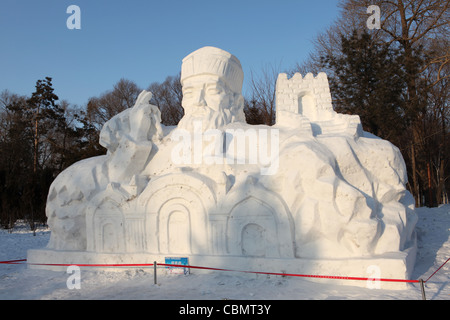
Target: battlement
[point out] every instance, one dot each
(310, 98)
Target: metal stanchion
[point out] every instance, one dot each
(422, 287)
(154, 271)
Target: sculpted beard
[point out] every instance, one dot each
(210, 118)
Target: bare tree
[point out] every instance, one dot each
(263, 92)
(168, 96)
(123, 96)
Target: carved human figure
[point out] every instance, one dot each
(212, 89)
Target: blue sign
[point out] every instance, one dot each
(177, 261)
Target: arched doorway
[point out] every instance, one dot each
(253, 240)
(252, 230)
(307, 105)
(179, 232)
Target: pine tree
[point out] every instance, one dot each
(47, 117)
(42, 106)
(367, 81)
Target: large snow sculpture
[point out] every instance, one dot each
(312, 194)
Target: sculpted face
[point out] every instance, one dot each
(212, 84)
(207, 99)
(205, 93)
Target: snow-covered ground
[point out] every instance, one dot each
(19, 282)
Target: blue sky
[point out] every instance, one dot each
(145, 41)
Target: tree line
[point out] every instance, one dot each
(39, 137)
(395, 78)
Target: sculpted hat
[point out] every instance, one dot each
(211, 60)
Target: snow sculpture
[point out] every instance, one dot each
(312, 194)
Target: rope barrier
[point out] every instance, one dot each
(291, 274)
(437, 270)
(155, 264)
(13, 261)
